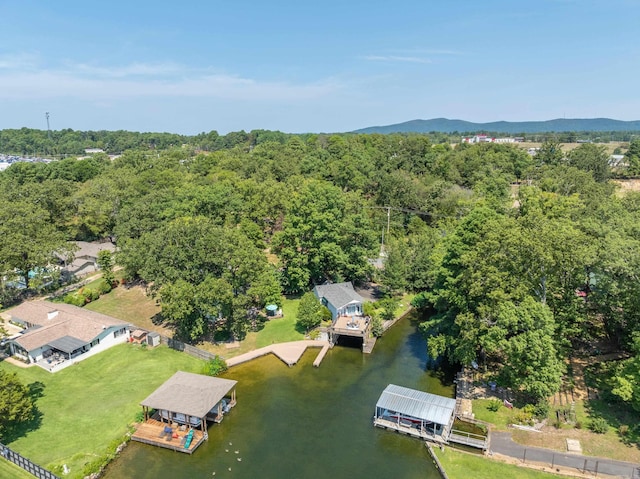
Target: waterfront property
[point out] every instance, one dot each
(176, 414)
(416, 413)
(57, 335)
(345, 305)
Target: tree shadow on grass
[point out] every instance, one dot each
(18, 430)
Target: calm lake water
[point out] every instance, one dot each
(306, 422)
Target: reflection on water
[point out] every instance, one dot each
(306, 422)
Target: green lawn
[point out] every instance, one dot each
(460, 465)
(86, 407)
(10, 470)
(500, 419)
(283, 329)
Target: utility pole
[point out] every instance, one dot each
(48, 128)
(388, 219)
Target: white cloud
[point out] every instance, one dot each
(134, 69)
(19, 79)
(396, 58)
(19, 61)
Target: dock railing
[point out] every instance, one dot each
(468, 439)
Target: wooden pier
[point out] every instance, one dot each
(469, 439)
(152, 432)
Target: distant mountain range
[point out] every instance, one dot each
(444, 125)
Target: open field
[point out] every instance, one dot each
(85, 408)
(130, 304)
(572, 146)
(460, 465)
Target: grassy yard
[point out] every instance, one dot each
(500, 419)
(130, 304)
(459, 465)
(10, 470)
(86, 407)
(283, 329)
(133, 305)
(609, 444)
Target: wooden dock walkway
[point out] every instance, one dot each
(468, 439)
(290, 353)
(368, 344)
(321, 354)
(151, 432)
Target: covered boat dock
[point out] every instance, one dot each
(416, 413)
(176, 414)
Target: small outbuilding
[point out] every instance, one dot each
(183, 404)
(416, 413)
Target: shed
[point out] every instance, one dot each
(415, 412)
(153, 339)
(139, 336)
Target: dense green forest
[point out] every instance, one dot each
(516, 260)
(62, 143)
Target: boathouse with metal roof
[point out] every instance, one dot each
(416, 413)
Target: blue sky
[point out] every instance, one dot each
(296, 66)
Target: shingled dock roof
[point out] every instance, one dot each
(190, 394)
(338, 294)
(418, 404)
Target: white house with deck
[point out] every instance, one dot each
(56, 335)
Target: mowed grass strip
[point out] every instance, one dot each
(460, 465)
(10, 470)
(89, 405)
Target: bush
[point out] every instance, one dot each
(215, 366)
(541, 410)
(90, 295)
(525, 415)
(623, 430)
(104, 287)
(494, 405)
(376, 326)
(599, 425)
(578, 425)
(75, 299)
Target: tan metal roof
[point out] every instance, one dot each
(190, 394)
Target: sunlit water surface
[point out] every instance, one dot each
(306, 422)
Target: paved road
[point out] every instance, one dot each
(501, 443)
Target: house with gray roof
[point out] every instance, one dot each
(346, 307)
(85, 258)
(340, 298)
(56, 335)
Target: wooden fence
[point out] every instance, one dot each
(26, 464)
(187, 348)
